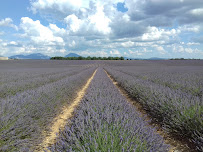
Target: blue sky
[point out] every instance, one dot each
(130, 28)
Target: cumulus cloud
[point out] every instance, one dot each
(192, 43)
(56, 30)
(128, 44)
(189, 28)
(57, 8)
(38, 38)
(9, 48)
(148, 26)
(139, 52)
(115, 53)
(93, 24)
(40, 34)
(8, 22)
(181, 49)
(160, 49)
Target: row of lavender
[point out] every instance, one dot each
(20, 81)
(16, 70)
(188, 79)
(105, 121)
(172, 95)
(25, 115)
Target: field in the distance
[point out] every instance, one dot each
(34, 92)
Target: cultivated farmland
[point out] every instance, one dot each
(34, 94)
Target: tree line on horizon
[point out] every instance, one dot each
(87, 58)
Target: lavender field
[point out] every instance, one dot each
(170, 91)
(105, 121)
(32, 94)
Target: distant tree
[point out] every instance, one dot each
(87, 58)
(57, 58)
(80, 58)
(121, 58)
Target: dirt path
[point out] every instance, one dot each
(176, 146)
(61, 120)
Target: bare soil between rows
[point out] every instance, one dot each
(177, 143)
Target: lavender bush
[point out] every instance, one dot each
(105, 121)
(24, 116)
(171, 95)
(33, 92)
(18, 81)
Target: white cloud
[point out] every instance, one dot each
(198, 11)
(22, 50)
(115, 52)
(73, 23)
(13, 43)
(135, 53)
(40, 34)
(100, 21)
(127, 44)
(87, 25)
(189, 28)
(154, 34)
(183, 50)
(192, 43)
(56, 30)
(178, 49)
(62, 51)
(96, 23)
(144, 44)
(145, 50)
(101, 53)
(189, 50)
(72, 44)
(161, 50)
(8, 22)
(11, 48)
(64, 8)
(139, 52)
(56, 7)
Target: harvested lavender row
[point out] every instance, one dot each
(26, 115)
(105, 121)
(179, 112)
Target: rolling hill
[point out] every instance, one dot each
(30, 56)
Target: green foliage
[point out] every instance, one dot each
(108, 138)
(192, 112)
